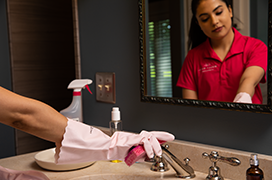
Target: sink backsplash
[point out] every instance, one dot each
(183, 149)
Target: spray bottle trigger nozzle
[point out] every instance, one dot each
(88, 88)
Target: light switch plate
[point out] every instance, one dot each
(105, 87)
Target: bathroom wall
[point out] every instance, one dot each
(42, 57)
(109, 43)
(6, 133)
(37, 61)
(258, 20)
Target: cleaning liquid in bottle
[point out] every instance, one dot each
(115, 124)
(254, 172)
(74, 111)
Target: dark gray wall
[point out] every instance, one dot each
(6, 133)
(259, 19)
(109, 43)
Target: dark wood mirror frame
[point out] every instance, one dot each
(201, 103)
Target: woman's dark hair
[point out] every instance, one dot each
(196, 35)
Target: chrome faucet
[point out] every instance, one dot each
(183, 170)
(214, 171)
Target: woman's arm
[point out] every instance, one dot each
(250, 79)
(31, 116)
(189, 94)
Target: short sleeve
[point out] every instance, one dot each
(256, 55)
(186, 77)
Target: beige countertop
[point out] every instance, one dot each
(104, 170)
(100, 170)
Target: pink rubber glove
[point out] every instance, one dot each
(9, 174)
(242, 97)
(84, 143)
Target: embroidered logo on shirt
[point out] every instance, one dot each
(207, 67)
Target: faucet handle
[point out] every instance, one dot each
(230, 160)
(214, 157)
(214, 171)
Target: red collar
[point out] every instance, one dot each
(236, 47)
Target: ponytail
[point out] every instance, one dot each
(196, 35)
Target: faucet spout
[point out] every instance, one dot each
(183, 170)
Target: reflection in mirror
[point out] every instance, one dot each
(164, 29)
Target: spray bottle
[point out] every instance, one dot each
(74, 111)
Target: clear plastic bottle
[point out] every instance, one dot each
(254, 172)
(115, 124)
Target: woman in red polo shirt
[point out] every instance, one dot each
(222, 65)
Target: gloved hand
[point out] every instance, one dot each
(10, 174)
(84, 143)
(242, 97)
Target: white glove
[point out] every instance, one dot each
(10, 174)
(242, 97)
(84, 143)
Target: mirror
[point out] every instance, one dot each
(178, 46)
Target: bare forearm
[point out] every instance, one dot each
(189, 94)
(247, 86)
(31, 116)
(250, 79)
